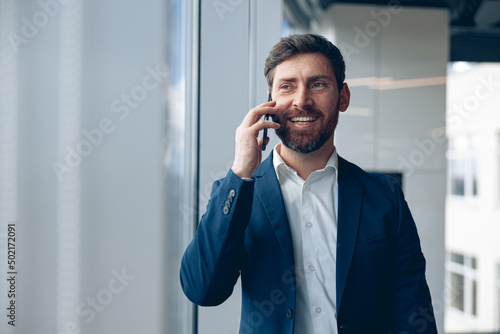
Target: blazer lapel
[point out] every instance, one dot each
(350, 198)
(268, 189)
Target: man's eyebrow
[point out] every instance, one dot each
(313, 78)
(320, 77)
(287, 80)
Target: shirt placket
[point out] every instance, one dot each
(309, 230)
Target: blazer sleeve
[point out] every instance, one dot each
(413, 312)
(212, 261)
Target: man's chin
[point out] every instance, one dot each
(304, 142)
(303, 145)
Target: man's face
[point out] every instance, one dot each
(306, 93)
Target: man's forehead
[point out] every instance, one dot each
(309, 65)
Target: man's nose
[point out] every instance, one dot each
(302, 98)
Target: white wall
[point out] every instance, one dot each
(396, 67)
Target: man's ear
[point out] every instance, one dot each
(345, 97)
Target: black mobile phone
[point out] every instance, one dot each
(264, 141)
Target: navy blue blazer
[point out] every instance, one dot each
(380, 282)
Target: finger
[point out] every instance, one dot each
(256, 113)
(267, 104)
(265, 124)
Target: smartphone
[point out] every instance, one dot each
(264, 142)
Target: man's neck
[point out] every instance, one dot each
(306, 163)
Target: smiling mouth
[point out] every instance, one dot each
(303, 120)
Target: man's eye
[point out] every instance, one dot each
(285, 87)
(318, 85)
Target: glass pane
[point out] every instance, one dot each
(457, 177)
(181, 210)
(474, 177)
(457, 258)
(474, 298)
(457, 291)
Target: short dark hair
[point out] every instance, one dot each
(293, 45)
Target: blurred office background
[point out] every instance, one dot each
(117, 116)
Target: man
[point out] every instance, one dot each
(321, 246)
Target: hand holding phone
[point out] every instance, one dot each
(248, 145)
(264, 141)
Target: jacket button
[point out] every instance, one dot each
(289, 313)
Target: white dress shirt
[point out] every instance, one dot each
(311, 206)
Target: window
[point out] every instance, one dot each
(457, 166)
(463, 168)
(462, 277)
(180, 155)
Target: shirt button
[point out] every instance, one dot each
(307, 188)
(289, 313)
(309, 225)
(318, 310)
(311, 268)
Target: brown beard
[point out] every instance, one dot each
(305, 141)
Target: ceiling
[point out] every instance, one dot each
(474, 24)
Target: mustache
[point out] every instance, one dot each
(295, 112)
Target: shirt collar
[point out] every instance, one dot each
(280, 165)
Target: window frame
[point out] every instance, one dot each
(467, 270)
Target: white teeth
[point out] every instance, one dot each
(303, 119)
